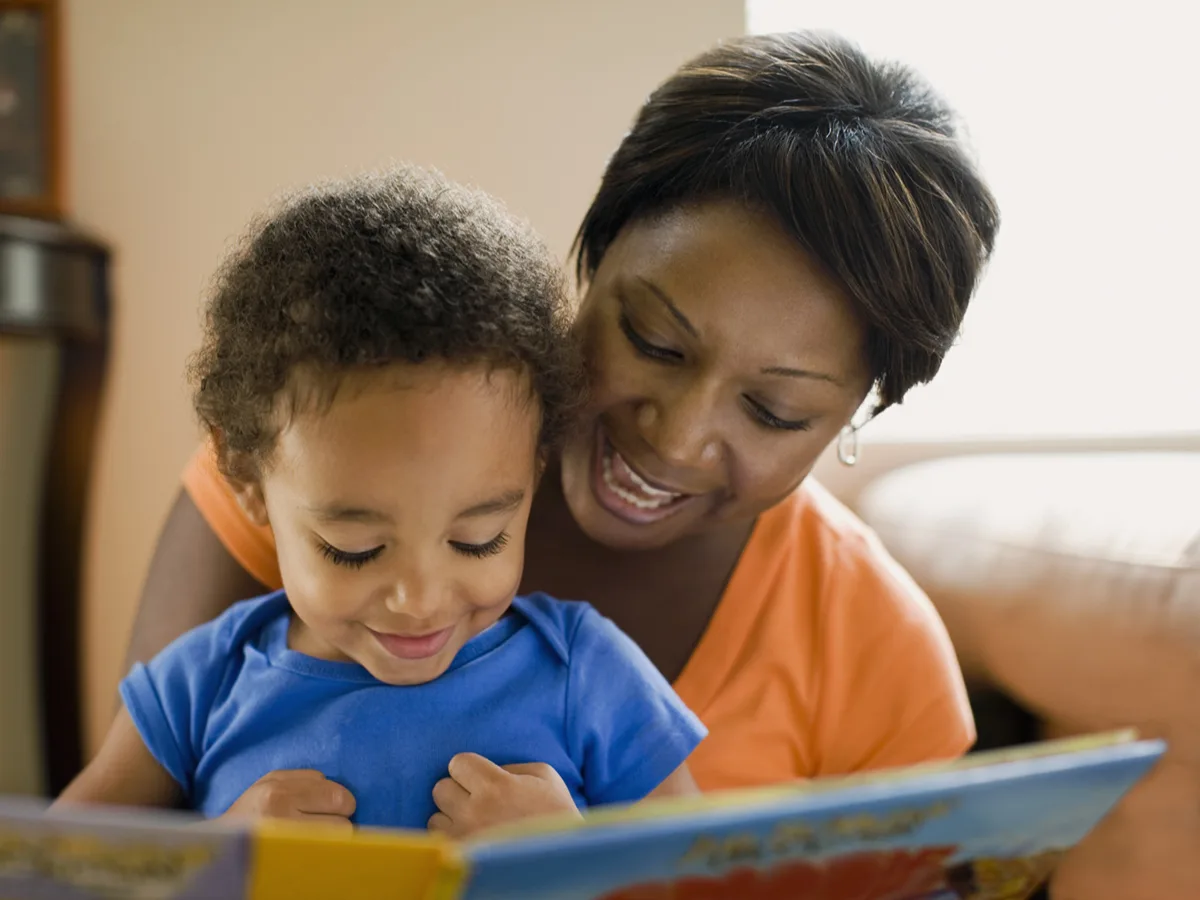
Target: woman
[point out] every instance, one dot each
(788, 229)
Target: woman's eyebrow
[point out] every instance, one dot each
(789, 372)
(666, 300)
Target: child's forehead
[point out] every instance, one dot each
(411, 429)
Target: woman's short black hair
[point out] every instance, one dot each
(859, 160)
(403, 266)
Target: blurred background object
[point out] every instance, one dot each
(30, 108)
(53, 343)
(54, 312)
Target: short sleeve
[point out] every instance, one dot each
(894, 694)
(626, 726)
(169, 699)
(253, 546)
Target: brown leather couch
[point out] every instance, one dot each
(1070, 584)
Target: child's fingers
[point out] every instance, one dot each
(449, 796)
(540, 770)
(293, 794)
(295, 774)
(303, 791)
(441, 823)
(474, 772)
(323, 797)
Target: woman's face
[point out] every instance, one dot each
(723, 362)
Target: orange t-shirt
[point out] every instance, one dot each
(823, 657)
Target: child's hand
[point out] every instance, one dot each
(480, 794)
(294, 794)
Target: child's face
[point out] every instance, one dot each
(399, 514)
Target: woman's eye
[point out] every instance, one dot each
(347, 559)
(482, 551)
(769, 420)
(643, 346)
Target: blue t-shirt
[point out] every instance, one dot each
(551, 682)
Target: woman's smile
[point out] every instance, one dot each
(628, 494)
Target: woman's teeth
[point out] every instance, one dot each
(631, 487)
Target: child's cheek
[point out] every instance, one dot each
(319, 591)
(498, 586)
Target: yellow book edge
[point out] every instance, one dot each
(298, 861)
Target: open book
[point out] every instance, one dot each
(989, 827)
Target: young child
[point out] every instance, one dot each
(385, 367)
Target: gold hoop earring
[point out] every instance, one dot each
(847, 446)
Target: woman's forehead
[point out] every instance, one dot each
(737, 276)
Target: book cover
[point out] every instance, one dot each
(989, 827)
(104, 854)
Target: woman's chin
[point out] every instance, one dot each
(620, 534)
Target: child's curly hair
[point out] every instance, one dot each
(400, 267)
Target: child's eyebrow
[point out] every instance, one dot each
(509, 500)
(348, 514)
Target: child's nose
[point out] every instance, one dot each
(413, 596)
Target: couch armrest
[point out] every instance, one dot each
(1072, 583)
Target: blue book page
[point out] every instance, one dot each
(103, 854)
(990, 830)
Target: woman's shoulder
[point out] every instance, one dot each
(812, 512)
(814, 546)
(253, 546)
(817, 601)
(891, 689)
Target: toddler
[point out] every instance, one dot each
(386, 365)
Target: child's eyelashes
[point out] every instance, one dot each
(482, 551)
(359, 559)
(346, 558)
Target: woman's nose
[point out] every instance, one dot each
(682, 427)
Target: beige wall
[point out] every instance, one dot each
(184, 117)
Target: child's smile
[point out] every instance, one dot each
(399, 510)
(414, 646)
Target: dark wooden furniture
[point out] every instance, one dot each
(54, 282)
